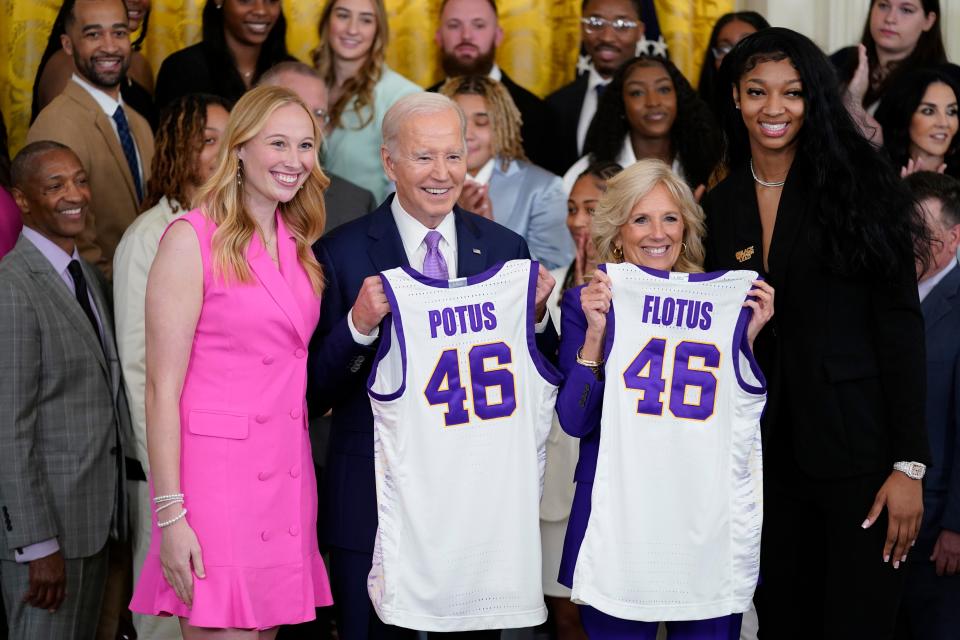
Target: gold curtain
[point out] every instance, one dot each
(539, 51)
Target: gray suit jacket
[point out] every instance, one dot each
(531, 202)
(346, 201)
(63, 411)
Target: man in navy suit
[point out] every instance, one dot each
(424, 153)
(932, 593)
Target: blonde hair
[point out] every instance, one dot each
(221, 197)
(504, 115)
(630, 186)
(362, 85)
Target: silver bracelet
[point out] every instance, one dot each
(171, 496)
(167, 523)
(169, 504)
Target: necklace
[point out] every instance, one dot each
(763, 183)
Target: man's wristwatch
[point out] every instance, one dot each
(913, 470)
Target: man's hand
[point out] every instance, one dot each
(48, 582)
(946, 553)
(371, 305)
(545, 284)
(475, 198)
(903, 498)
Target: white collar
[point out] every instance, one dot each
(484, 174)
(495, 73)
(106, 103)
(627, 157)
(412, 231)
(594, 79)
(925, 287)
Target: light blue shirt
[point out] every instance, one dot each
(353, 151)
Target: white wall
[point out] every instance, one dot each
(833, 24)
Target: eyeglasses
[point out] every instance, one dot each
(322, 116)
(720, 52)
(594, 24)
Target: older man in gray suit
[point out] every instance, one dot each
(63, 414)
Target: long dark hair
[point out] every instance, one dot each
(179, 139)
(929, 52)
(862, 218)
(274, 49)
(897, 110)
(694, 136)
(707, 86)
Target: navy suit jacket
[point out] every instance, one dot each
(941, 491)
(339, 367)
(565, 105)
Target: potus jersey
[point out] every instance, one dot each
(676, 511)
(462, 404)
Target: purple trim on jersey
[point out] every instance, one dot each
(547, 371)
(665, 275)
(611, 323)
(602, 626)
(742, 345)
(385, 331)
(445, 284)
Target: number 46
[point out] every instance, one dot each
(444, 386)
(645, 374)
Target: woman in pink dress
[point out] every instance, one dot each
(232, 300)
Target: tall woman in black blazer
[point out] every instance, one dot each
(811, 204)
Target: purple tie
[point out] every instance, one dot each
(434, 266)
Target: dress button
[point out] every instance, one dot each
(300, 353)
(268, 360)
(261, 418)
(295, 472)
(264, 535)
(294, 530)
(295, 414)
(263, 475)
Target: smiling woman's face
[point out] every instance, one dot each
(770, 99)
(650, 100)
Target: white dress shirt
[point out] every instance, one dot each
(626, 158)
(412, 235)
(926, 286)
(589, 107)
(109, 106)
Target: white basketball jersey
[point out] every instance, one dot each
(462, 403)
(677, 504)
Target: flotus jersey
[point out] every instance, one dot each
(674, 527)
(462, 403)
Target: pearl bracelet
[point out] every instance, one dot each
(168, 504)
(172, 496)
(167, 523)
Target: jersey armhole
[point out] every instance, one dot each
(392, 327)
(544, 367)
(754, 382)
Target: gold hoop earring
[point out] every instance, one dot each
(683, 248)
(617, 253)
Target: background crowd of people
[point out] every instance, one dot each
(836, 178)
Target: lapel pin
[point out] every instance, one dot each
(477, 251)
(744, 254)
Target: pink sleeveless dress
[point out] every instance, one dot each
(245, 464)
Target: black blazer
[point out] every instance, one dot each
(535, 129)
(565, 104)
(199, 69)
(338, 367)
(844, 356)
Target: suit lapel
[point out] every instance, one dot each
(65, 302)
(471, 254)
(745, 225)
(386, 247)
(103, 124)
(789, 221)
(271, 278)
(106, 322)
(937, 304)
